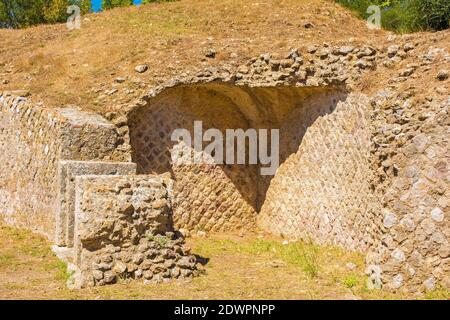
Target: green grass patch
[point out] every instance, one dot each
(59, 268)
(438, 294)
(7, 260)
(160, 240)
(351, 281)
(307, 256)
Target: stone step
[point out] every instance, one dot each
(67, 172)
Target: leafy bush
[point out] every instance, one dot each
(17, 13)
(433, 14)
(24, 13)
(108, 4)
(56, 11)
(406, 15)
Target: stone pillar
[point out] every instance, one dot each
(123, 229)
(67, 171)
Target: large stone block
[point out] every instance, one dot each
(67, 171)
(123, 229)
(34, 139)
(89, 136)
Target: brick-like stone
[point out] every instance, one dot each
(119, 234)
(33, 139)
(67, 171)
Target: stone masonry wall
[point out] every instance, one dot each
(411, 163)
(212, 197)
(68, 170)
(321, 192)
(124, 230)
(402, 207)
(205, 197)
(367, 176)
(32, 141)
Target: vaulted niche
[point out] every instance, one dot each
(216, 197)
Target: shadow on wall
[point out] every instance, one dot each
(209, 196)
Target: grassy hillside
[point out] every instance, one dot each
(60, 66)
(406, 15)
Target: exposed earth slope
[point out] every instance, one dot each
(398, 94)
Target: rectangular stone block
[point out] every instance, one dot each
(34, 139)
(124, 230)
(88, 136)
(67, 171)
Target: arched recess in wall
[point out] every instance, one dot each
(223, 197)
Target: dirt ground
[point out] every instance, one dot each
(79, 67)
(238, 268)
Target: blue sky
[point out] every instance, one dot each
(97, 4)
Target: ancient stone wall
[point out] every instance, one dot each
(68, 170)
(32, 140)
(213, 197)
(206, 197)
(322, 192)
(368, 176)
(377, 177)
(411, 161)
(124, 230)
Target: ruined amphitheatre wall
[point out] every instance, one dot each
(65, 174)
(32, 141)
(410, 148)
(124, 230)
(205, 197)
(322, 191)
(366, 175)
(377, 178)
(213, 197)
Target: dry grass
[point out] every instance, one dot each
(60, 66)
(238, 268)
(78, 67)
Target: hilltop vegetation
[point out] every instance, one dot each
(406, 15)
(397, 15)
(25, 13)
(59, 66)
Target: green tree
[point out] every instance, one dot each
(108, 4)
(24, 13)
(153, 1)
(4, 19)
(56, 10)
